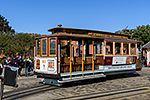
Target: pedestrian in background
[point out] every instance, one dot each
(28, 65)
(14, 61)
(8, 61)
(20, 64)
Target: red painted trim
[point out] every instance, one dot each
(35, 48)
(48, 46)
(57, 54)
(40, 47)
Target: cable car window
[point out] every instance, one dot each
(99, 48)
(125, 48)
(109, 47)
(38, 47)
(117, 48)
(44, 44)
(52, 46)
(133, 49)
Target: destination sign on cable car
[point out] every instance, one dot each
(107, 35)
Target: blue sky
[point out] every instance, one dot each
(37, 16)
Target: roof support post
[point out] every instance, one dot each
(129, 49)
(113, 48)
(71, 55)
(83, 55)
(121, 48)
(93, 54)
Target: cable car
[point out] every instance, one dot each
(72, 54)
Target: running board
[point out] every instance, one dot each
(71, 79)
(78, 78)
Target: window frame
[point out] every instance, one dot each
(37, 48)
(42, 46)
(55, 46)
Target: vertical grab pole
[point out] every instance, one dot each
(114, 52)
(84, 52)
(83, 59)
(121, 48)
(72, 52)
(70, 56)
(104, 49)
(58, 58)
(93, 57)
(129, 49)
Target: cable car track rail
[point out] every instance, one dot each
(17, 94)
(111, 95)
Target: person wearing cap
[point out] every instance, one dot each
(8, 61)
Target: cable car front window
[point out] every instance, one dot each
(44, 44)
(38, 47)
(52, 46)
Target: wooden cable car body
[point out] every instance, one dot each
(71, 54)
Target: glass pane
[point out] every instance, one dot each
(125, 49)
(52, 46)
(118, 48)
(44, 47)
(99, 48)
(133, 49)
(109, 48)
(38, 47)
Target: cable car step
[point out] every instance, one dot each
(77, 78)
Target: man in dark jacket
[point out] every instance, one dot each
(14, 61)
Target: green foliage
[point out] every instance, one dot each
(11, 42)
(4, 27)
(63, 50)
(24, 43)
(141, 33)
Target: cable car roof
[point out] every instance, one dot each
(86, 36)
(78, 30)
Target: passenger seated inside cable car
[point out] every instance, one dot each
(109, 47)
(99, 48)
(125, 48)
(133, 50)
(118, 48)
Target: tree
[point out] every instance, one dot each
(11, 42)
(140, 33)
(24, 43)
(6, 36)
(4, 27)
